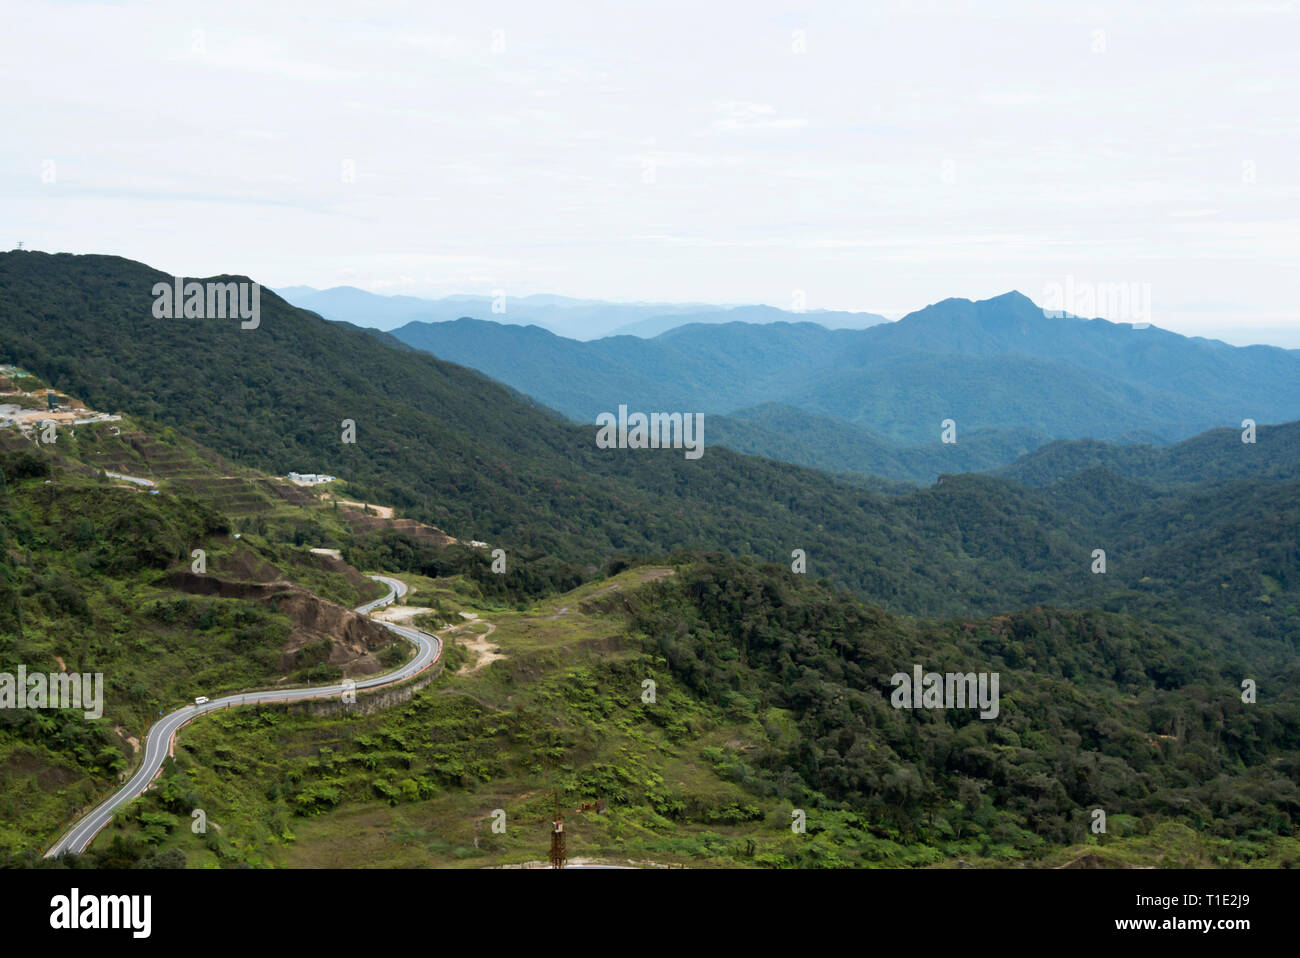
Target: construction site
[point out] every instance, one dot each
(25, 403)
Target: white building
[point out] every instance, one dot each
(309, 478)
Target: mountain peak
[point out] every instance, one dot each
(1012, 297)
(1013, 306)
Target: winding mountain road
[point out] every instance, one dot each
(157, 743)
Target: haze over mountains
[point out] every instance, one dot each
(445, 445)
(1121, 690)
(855, 400)
(580, 319)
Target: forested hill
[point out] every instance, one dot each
(445, 445)
(1099, 711)
(790, 434)
(1220, 454)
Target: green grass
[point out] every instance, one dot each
(90, 566)
(419, 785)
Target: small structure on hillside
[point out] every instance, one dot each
(309, 478)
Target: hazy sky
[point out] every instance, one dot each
(875, 155)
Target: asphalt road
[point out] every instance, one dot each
(158, 742)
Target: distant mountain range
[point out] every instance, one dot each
(1120, 690)
(580, 319)
(872, 400)
(758, 315)
(447, 446)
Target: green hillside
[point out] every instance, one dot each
(96, 577)
(790, 434)
(772, 695)
(1213, 456)
(446, 446)
(775, 685)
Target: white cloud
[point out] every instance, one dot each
(823, 171)
(740, 116)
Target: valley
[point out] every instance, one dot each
(703, 777)
(625, 571)
(838, 455)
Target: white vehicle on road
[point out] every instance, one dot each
(201, 700)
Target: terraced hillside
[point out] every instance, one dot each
(99, 576)
(678, 732)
